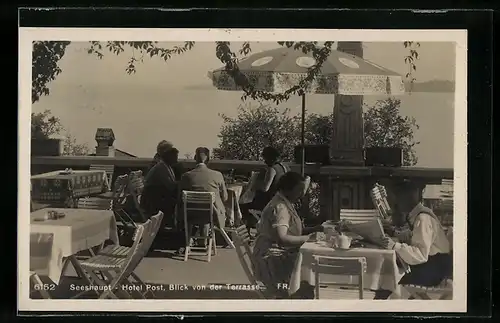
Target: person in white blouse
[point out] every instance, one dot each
(428, 253)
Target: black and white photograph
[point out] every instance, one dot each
(304, 170)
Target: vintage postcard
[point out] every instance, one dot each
(304, 170)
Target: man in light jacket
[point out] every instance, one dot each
(204, 179)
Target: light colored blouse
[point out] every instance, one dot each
(428, 237)
(279, 212)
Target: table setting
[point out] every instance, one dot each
(383, 271)
(67, 185)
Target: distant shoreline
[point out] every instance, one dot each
(435, 86)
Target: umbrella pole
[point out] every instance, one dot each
(302, 136)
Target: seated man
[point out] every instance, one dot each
(204, 179)
(428, 251)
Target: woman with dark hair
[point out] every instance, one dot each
(160, 185)
(162, 146)
(280, 235)
(268, 187)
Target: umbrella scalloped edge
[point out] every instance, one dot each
(344, 84)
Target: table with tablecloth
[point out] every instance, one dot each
(61, 186)
(382, 271)
(52, 242)
(232, 204)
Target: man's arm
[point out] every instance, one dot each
(423, 236)
(268, 179)
(222, 188)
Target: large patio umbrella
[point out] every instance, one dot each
(279, 69)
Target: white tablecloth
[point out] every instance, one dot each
(233, 210)
(54, 240)
(382, 270)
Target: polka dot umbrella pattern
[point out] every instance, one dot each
(279, 69)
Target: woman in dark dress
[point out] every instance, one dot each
(266, 185)
(160, 185)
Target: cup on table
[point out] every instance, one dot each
(341, 241)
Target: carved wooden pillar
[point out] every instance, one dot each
(348, 137)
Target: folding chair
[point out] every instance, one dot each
(200, 204)
(40, 253)
(109, 170)
(378, 195)
(358, 216)
(348, 266)
(135, 188)
(245, 256)
(444, 291)
(117, 263)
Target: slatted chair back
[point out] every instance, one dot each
(94, 203)
(198, 207)
(149, 236)
(135, 188)
(358, 216)
(108, 169)
(241, 240)
(378, 195)
(133, 256)
(348, 266)
(255, 213)
(119, 200)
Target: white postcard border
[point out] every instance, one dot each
(459, 302)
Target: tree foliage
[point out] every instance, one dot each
(44, 126)
(45, 65)
(244, 136)
(47, 54)
(385, 127)
(73, 148)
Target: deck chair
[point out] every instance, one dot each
(109, 169)
(118, 263)
(40, 253)
(443, 291)
(378, 195)
(135, 188)
(245, 256)
(358, 216)
(94, 203)
(200, 204)
(348, 266)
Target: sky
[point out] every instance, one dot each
(175, 100)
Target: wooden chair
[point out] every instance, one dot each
(135, 188)
(40, 253)
(357, 216)
(201, 204)
(378, 195)
(118, 263)
(109, 169)
(348, 266)
(95, 203)
(443, 291)
(245, 256)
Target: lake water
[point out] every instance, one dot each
(142, 116)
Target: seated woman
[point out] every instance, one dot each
(428, 250)
(160, 185)
(280, 235)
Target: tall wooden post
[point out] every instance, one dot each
(346, 149)
(348, 139)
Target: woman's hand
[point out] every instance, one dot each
(388, 243)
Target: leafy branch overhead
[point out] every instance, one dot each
(47, 54)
